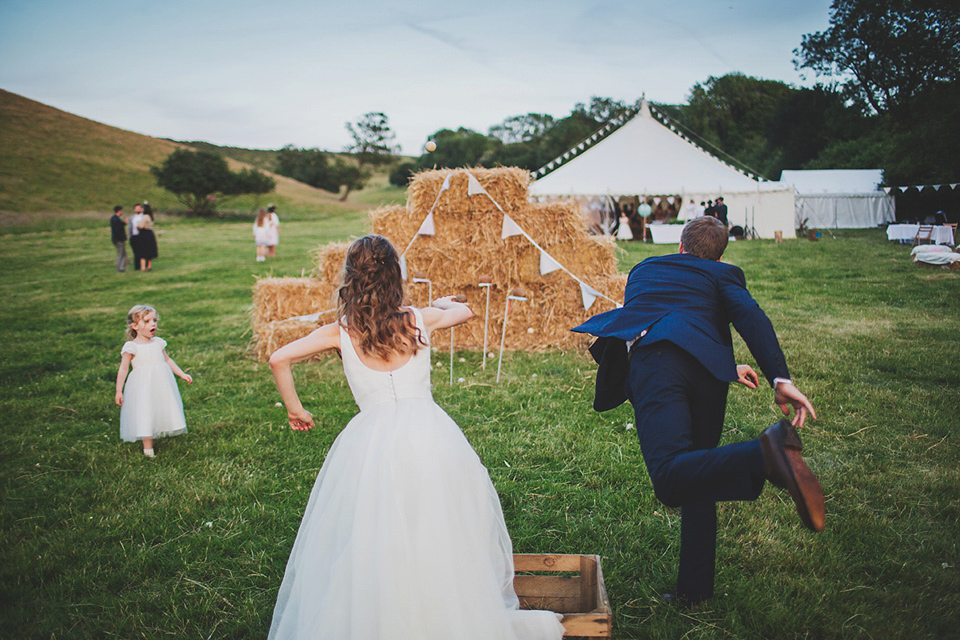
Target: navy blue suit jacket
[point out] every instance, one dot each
(690, 302)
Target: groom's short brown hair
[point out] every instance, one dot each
(705, 237)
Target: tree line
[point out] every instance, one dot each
(887, 96)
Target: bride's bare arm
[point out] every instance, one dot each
(445, 312)
(323, 339)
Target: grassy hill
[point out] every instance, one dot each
(54, 162)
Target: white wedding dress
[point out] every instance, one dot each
(403, 537)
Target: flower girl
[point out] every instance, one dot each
(150, 406)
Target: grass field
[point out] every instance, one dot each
(100, 542)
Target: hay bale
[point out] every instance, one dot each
(283, 298)
(467, 245)
(328, 261)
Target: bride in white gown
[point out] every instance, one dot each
(403, 537)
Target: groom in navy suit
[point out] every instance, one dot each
(669, 351)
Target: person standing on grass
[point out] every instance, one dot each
(150, 405)
(148, 241)
(134, 223)
(403, 537)
(273, 231)
(118, 234)
(261, 234)
(720, 211)
(669, 351)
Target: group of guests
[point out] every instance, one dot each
(633, 219)
(143, 241)
(716, 210)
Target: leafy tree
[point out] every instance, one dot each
(373, 141)
(200, 179)
(732, 112)
(309, 166)
(460, 148)
(806, 122)
(518, 129)
(401, 174)
(603, 110)
(373, 146)
(315, 168)
(889, 51)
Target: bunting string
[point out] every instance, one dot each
(510, 228)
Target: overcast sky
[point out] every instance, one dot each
(264, 74)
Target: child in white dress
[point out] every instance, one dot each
(150, 406)
(403, 537)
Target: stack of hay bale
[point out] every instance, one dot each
(466, 247)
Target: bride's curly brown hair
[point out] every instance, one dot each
(370, 298)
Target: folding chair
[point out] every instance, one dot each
(924, 234)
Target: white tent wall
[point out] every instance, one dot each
(850, 211)
(767, 211)
(840, 198)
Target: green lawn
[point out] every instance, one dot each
(100, 542)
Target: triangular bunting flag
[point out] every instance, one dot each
(589, 295)
(547, 263)
(886, 190)
(426, 229)
(403, 267)
(581, 146)
(473, 185)
(446, 183)
(510, 228)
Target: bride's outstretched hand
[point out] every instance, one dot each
(445, 302)
(301, 420)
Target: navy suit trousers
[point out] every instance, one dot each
(679, 408)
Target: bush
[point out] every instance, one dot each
(200, 179)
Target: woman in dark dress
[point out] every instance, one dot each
(148, 240)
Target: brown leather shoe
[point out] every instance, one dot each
(785, 468)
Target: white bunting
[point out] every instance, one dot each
(510, 228)
(403, 267)
(589, 295)
(886, 190)
(426, 228)
(547, 263)
(446, 183)
(669, 199)
(473, 185)
(581, 146)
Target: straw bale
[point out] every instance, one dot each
(273, 335)
(508, 186)
(467, 245)
(328, 261)
(282, 298)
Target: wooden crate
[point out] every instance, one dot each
(571, 585)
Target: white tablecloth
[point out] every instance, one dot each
(665, 233)
(940, 235)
